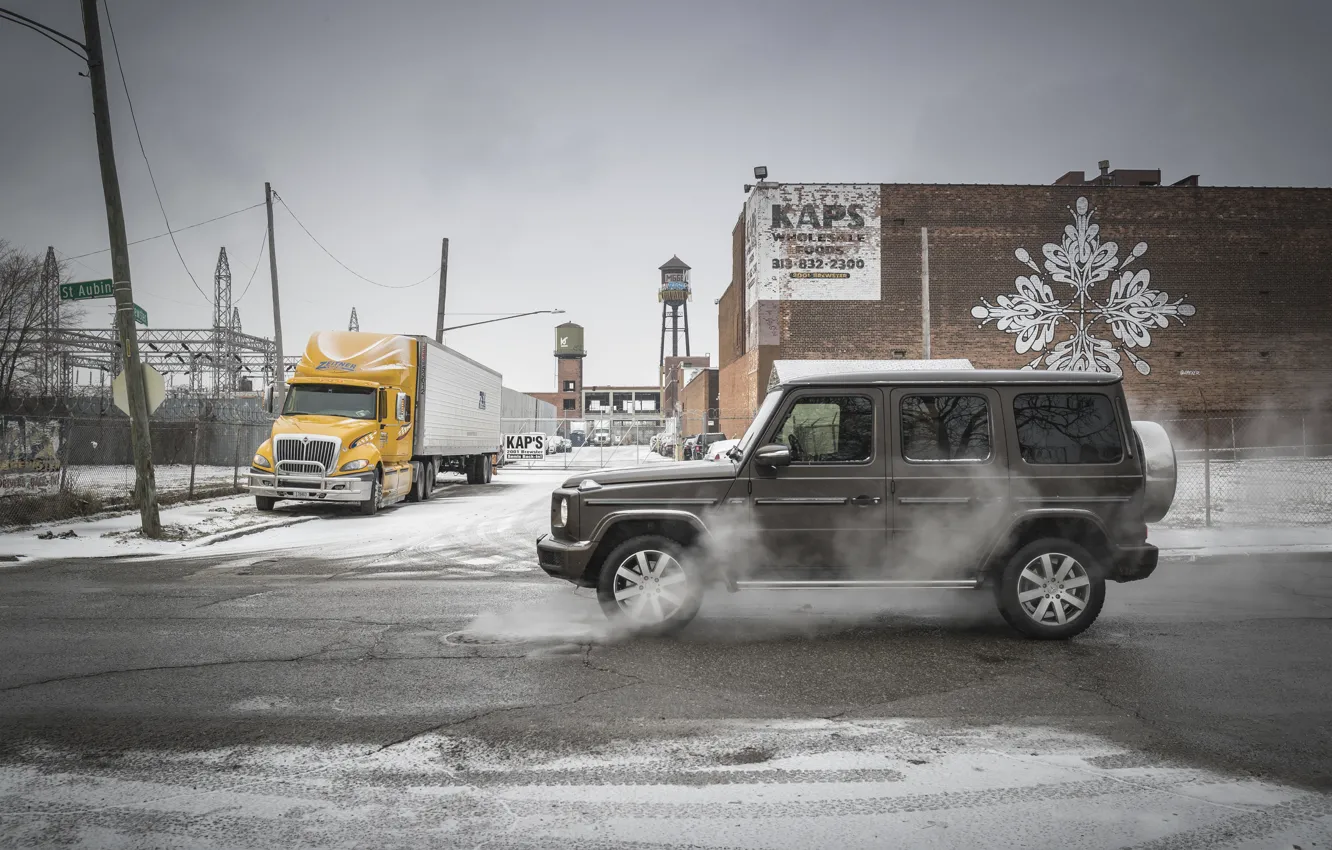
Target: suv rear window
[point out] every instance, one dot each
(945, 427)
(1067, 428)
(829, 429)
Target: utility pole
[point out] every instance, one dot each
(145, 485)
(280, 366)
(443, 290)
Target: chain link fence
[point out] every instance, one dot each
(56, 461)
(1257, 471)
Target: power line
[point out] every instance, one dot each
(340, 262)
(255, 270)
(143, 151)
(178, 230)
(45, 32)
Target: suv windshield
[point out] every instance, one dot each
(770, 402)
(330, 400)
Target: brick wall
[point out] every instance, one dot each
(699, 403)
(1254, 263)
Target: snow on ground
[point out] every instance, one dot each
(170, 478)
(1209, 542)
(186, 526)
(769, 784)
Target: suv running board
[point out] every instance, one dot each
(945, 584)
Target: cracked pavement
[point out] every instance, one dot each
(413, 680)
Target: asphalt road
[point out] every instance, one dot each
(411, 679)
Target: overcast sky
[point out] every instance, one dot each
(568, 149)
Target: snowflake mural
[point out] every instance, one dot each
(1130, 309)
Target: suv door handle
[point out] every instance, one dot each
(866, 501)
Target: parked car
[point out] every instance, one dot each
(690, 445)
(1033, 486)
(552, 444)
(719, 450)
(601, 437)
(563, 445)
(703, 442)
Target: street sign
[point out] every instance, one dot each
(524, 446)
(153, 384)
(140, 315)
(85, 289)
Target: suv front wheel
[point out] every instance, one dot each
(1051, 589)
(648, 586)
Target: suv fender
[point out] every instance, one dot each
(1050, 522)
(615, 528)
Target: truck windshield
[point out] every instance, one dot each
(330, 400)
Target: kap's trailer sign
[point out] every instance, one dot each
(524, 446)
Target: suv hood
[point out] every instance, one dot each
(693, 470)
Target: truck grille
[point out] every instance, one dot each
(320, 450)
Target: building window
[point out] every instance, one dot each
(1067, 428)
(570, 387)
(945, 427)
(570, 404)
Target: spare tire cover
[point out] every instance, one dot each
(1158, 460)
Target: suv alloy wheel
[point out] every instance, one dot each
(1051, 589)
(647, 585)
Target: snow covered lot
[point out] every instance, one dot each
(113, 481)
(1255, 493)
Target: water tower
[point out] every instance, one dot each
(674, 296)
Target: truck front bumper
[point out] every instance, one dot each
(311, 488)
(564, 559)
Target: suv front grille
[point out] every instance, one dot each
(320, 450)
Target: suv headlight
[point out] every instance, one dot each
(260, 461)
(361, 440)
(562, 516)
(353, 465)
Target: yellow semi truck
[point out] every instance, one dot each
(373, 418)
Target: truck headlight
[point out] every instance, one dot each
(361, 441)
(563, 519)
(353, 465)
(260, 461)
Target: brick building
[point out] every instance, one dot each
(699, 404)
(676, 375)
(1204, 297)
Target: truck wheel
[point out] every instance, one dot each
(1052, 589)
(265, 503)
(428, 483)
(416, 494)
(371, 505)
(470, 464)
(648, 586)
(487, 469)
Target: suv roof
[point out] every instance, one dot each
(961, 377)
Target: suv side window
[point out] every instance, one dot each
(945, 428)
(1067, 428)
(829, 429)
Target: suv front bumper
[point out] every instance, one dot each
(313, 488)
(563, 559)
(1134, 563)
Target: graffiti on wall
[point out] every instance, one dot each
(29, 455)
(1124, 304)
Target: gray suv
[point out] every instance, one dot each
(1035, 486)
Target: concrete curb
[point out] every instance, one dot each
(1201, 555)
(223, 536)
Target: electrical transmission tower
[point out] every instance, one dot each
(223, 386)
(50, 374)
(353, 324)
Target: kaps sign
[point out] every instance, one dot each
(524, 446)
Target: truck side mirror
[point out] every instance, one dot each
(381, 406)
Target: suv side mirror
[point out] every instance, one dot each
(773, 455)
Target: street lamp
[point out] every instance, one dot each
(501, 319)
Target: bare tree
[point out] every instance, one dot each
(23, 317)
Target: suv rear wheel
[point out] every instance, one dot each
(647, 585)
(1051, 589)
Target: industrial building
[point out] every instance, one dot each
(631, 413)
(1205, 298)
